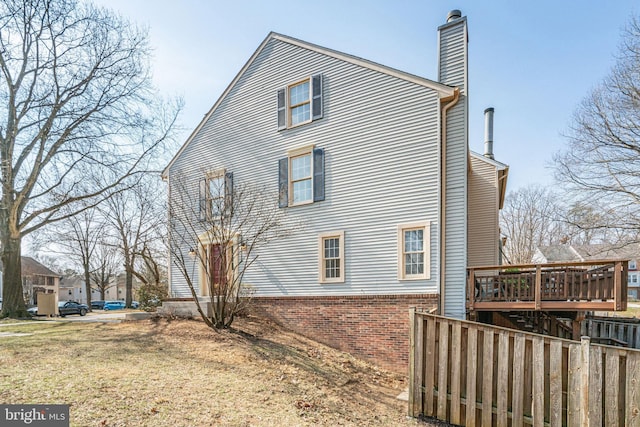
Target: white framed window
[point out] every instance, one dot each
(632, 264)
(331, 257)
(414, 251)
(300, 102)
(215, 194)
(301, 176)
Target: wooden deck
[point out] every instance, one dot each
(579, 286)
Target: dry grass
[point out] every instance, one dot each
(180, 373)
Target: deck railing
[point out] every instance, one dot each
(592, 285)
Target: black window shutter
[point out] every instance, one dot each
(318, 174)
(228, 193)
(283, 182)
(316, 100)
(203, 200)
(282, 110)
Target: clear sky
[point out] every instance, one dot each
(533, 61)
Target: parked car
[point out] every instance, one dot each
(99, 304)
(71, 307)
(135, 304)
(113, 305)
(33, 310)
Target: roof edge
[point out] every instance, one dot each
(442, 89)
(492, 162)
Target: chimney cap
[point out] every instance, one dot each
(489, 109)
(454, 14)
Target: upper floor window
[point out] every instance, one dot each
(632, 264)
(413, 251)
(301, 176)
(300, 102)
(215, 194)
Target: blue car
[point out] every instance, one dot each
(113, 305)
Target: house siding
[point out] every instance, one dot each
(453, 71)
(483, 232)
(370, 118)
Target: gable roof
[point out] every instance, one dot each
(31, 267)
(560, 253)
(442, 89)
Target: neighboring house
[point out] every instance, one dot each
(375, 162)
(72, 289)
(566, 253)
(119, 289)
(36, 277)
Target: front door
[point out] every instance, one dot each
(217, 268)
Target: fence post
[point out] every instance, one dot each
(585, 344)
(617, 285)
(538, 289)
(471, 288)
(412, 360)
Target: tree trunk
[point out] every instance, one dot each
(87, 282)
(12, 293)
(128, 286)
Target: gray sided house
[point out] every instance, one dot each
(375, 163)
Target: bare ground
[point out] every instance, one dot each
(181, 373)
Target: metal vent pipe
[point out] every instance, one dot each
(488, 133)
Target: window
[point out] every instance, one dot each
(413, 251)
(215, 195)
(301, 176)
(300, 102)
(331, 257)
(632, 264)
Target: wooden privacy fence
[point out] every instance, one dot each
(469, 373)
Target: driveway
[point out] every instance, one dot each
(97, 316)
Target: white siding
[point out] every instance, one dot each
(380, 135)
(453, 71)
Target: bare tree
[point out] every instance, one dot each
(76, 106)
(601, 164)
(105, 264)
(78, 238)
(216, 230)
(135, 219)
(151, 272)
(530, 218)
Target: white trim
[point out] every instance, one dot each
(426, 246)
(321, 270)
(292, 154)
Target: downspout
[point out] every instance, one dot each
(450, 102)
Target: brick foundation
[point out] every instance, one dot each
(373, 327)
